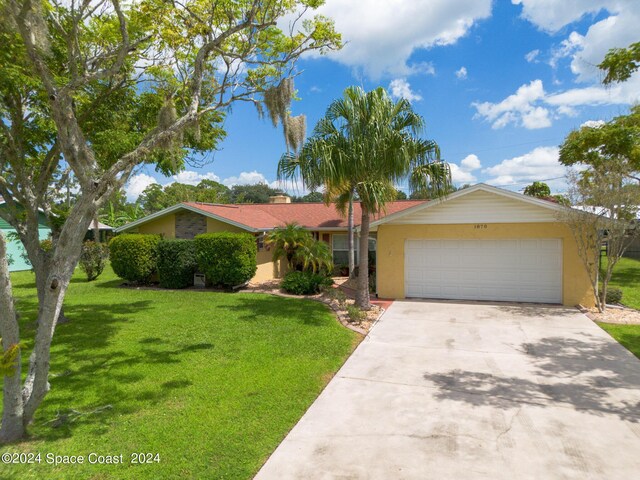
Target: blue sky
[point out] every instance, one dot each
(500, 84)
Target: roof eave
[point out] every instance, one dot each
(183, 206)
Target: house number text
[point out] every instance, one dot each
(480, 226)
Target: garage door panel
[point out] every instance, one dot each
(528, 270)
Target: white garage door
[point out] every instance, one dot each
(519, 270)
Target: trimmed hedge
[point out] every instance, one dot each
(305, 283)
(227, 259)
(176, 263)
(134, 256)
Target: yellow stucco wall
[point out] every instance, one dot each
(267, 269)
(576, 287)
(165, 225)
(215, 226)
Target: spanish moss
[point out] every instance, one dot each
(295, 131)
(277, 99)
(166, 118)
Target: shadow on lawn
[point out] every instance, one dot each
(92, 369)
(96, 379)
(253, 306)
(593, 374)
(626, 275)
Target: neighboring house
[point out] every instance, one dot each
(186, 220)
(15, 250)
(480, 243)
(633, 250)
(105, 232)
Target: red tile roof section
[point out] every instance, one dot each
(310, 215)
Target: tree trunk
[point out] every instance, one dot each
(96, 230)
(36, 385)
(12, 406)
(362, 293)
(53, 274)
(352, 262)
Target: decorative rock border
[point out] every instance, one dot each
(340, 314)
(613, 314)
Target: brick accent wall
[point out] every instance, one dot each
(190, 224)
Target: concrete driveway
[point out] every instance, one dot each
(467, 391)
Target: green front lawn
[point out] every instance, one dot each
(626, 276)
(627, 335)
(211, 382)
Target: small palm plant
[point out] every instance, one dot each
(315, 256)
(286, 241)
(300, 249)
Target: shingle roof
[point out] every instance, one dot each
(310, 215)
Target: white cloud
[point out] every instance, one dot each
(245, 178)
(618, 29)
(190, 177)
(471, 162)
(531, 107)
(518, 108)
(400, 88)
(136, 185)
(622, 94)
(552, 15)
(463, 173)
(539, 164)
(461, 73)
(458, 175)
(568, 47)
(382, 35)
(425, 68)
(532, 56)
(593, 123)
(292, 187)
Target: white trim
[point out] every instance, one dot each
(461, 193)
(182, 206)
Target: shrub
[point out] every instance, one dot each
(93, 259)
(341, 270)
(614, 295)
(134, 256)
(176, 263)
(355, 314)
(46, 245)
(227, 259)
(304, 283)
(336, 294)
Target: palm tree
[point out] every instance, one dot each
(367, 143)
(286, 241)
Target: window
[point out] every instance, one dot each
(340, 248)
(260, 242)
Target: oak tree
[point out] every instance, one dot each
(94, 89)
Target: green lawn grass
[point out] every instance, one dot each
(212, 382)
(627, 335)
(626, 276)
